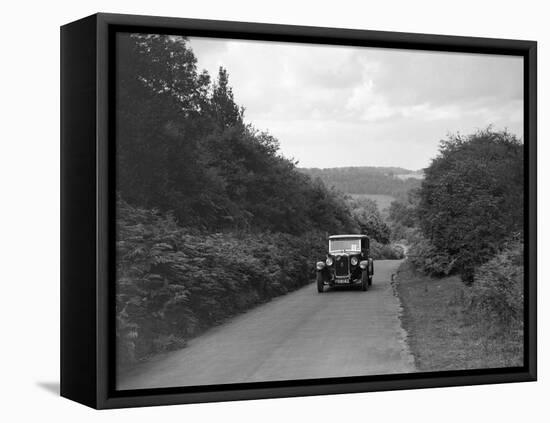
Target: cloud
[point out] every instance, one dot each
(387, 106)
(410, 77)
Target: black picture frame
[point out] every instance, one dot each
(87, 209)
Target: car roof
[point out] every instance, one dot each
(347, 236)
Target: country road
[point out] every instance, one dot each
(302, 335)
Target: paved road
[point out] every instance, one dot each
(302, 335)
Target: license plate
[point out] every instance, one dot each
(342, 281)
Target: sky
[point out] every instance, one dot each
(336, 106)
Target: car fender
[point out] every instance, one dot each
(371, 266)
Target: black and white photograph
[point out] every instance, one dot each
(247, 212)
(290, 211)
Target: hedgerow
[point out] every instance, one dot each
(173, 282)
(428, 259)
(496, 294)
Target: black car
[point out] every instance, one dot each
(347, 263)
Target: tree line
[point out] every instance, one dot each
(183, 146)
(367, 180)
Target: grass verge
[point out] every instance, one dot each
(441, 336)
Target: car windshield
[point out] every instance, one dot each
(346, 244)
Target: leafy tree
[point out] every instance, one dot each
(471, 199)
(183, 146)
(405, 212)
(159, 97)
(369, 220)
(222, 103)
(403, 217)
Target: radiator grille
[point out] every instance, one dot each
(341, 266)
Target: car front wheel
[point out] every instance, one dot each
(320, 283)
(364, 281)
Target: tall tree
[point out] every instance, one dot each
(222, 103)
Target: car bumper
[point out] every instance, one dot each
(343, 282)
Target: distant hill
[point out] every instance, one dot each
(389, 181)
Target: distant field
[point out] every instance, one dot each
(392, 181)
(414, 175)
(383, 201)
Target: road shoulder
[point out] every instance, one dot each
(440, 336)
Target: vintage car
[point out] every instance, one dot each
(347, 263)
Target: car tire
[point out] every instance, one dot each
(320, 283)
(320, 287)
(364, 281)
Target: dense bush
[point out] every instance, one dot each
(401, 234)
(496, 295)
(173, 283)
(380, 251)
(428, 259)
(471, 199)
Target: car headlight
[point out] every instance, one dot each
(364, 264)
(320, 265)
(354, 261)
(329, 261)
